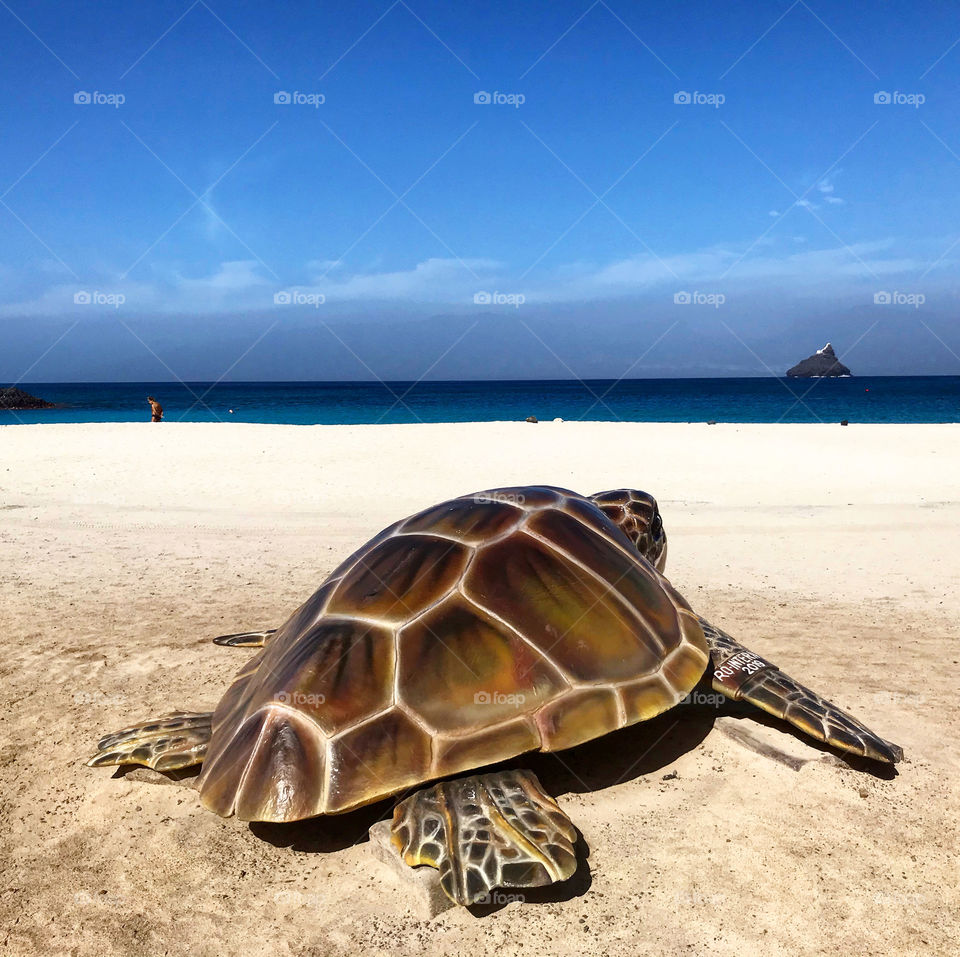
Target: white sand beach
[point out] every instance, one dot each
(832, 551)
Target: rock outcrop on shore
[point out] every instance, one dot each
(823, 362)
(17, 400)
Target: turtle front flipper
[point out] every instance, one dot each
(245, 639)
(740, 674)
(486, 831)
(175, 740)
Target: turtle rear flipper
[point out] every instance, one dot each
(245, 639)
(486, 831)
(175, 740)
(742, 675)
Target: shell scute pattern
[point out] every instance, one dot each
(400, 578)
(462, 521)
(471, 632)
(377, 758)
(458, 667)
(615, 570)
(575, 619)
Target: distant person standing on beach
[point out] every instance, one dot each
(156, 410)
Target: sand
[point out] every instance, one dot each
(833, 551)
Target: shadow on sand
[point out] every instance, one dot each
(624, 755)
(617, 757)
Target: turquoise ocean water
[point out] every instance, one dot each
(859, 399)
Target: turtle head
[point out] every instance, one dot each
(636, 514)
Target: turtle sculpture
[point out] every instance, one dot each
(474, 631)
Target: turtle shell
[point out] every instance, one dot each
(471, 632)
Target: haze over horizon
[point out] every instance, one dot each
(405, 190)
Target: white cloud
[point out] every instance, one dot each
(434, 280)
(230, 276)
(245, 285)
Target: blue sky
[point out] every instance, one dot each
(198, 202)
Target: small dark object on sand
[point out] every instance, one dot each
(711, 422)
(533, 419)
(844, 421)
(156, 410)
